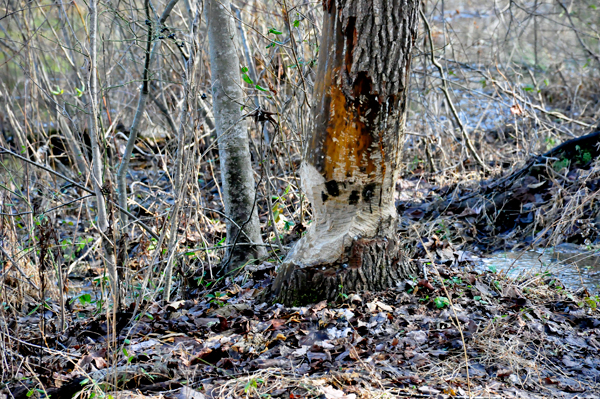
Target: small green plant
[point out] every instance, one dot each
(441, 302)
(592, 301)
(478, 299)
(218, 298)
(414, 164)
(83, 299)
(560, 164)
(583, 156)
(341, 294)
(129, 358)
(252, 385)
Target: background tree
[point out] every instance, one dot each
(239, 193)
(352, 158)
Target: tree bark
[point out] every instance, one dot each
(352, 158)
(234, 151)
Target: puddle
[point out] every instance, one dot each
(572, 264)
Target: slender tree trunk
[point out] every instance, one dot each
(97, 175)
(352, 158)
(234, 153)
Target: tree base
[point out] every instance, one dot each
(370, 264)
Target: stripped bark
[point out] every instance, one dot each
(352, 158)
(234, 152)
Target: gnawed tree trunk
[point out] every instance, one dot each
(234, 151)
(353, 155)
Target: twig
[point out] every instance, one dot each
(585, 46)
(14, 264)
(78, 185)
(444, 88)
(133, 132)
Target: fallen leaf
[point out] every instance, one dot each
(189, 393)
(516, 110)
(332, 393)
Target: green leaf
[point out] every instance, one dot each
(492, 268)
(275, 31)
(441, 301)
(85, 298)
(296, 23)
(251, 384)
(80, 91)
(244, 69)
(30, 392)
(288, 224)
(247, 79)
(33, 311)
(260, 88)
(125, 352)
(58, 91)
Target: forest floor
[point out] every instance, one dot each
(464, 327)
(455, 330)
(458, 333)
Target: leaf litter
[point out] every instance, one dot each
(528, 337)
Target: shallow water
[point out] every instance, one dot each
(573, 265)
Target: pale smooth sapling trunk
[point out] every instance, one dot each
(352, 157)
(234, 152)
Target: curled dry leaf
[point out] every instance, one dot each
(516, 110)
(332, 393)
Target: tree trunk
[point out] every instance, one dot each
(234, 152)
(352, 158)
